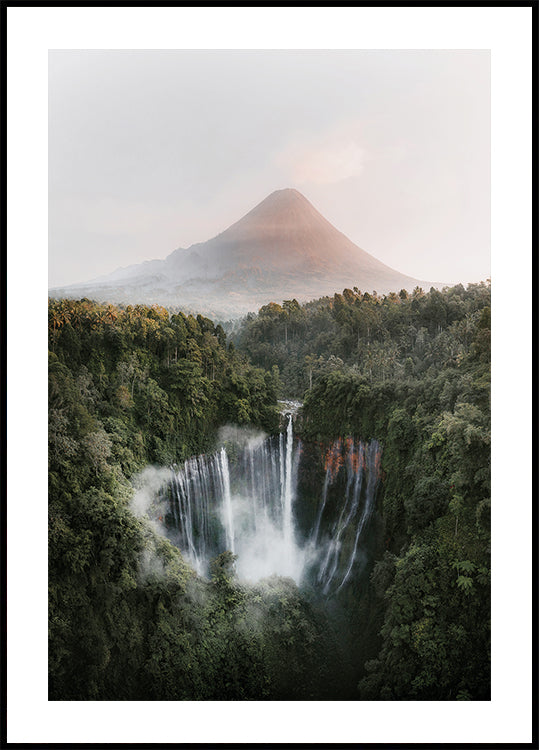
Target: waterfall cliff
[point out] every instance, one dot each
(244, 498)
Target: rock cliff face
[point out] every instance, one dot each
(283, 248)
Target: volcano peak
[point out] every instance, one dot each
(282, 248)
(282, 200)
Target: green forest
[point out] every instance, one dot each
(132, 386)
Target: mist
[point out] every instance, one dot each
(243, 498)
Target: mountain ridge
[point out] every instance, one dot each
(282, 248)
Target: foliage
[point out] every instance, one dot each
(412, 371)
(382, 338)
(128, 618)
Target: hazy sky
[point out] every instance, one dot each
(154, 150)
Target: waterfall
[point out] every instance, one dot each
(242, 498)
(287, 499)
(357, 460)
(227, 501)
(322, 506)
(373, 462)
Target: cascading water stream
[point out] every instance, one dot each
(227, 501)
(242, 498)
(287, 499)
(322, 506)
(374, 466)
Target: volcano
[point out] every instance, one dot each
(282, 249)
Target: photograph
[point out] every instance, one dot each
(269, 456)
(269, 438)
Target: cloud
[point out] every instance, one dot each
(327, 159)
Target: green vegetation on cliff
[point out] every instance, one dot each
(128, 618)
(412, 371)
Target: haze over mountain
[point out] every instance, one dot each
(282, 249)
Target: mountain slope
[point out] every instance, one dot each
(282, 248)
